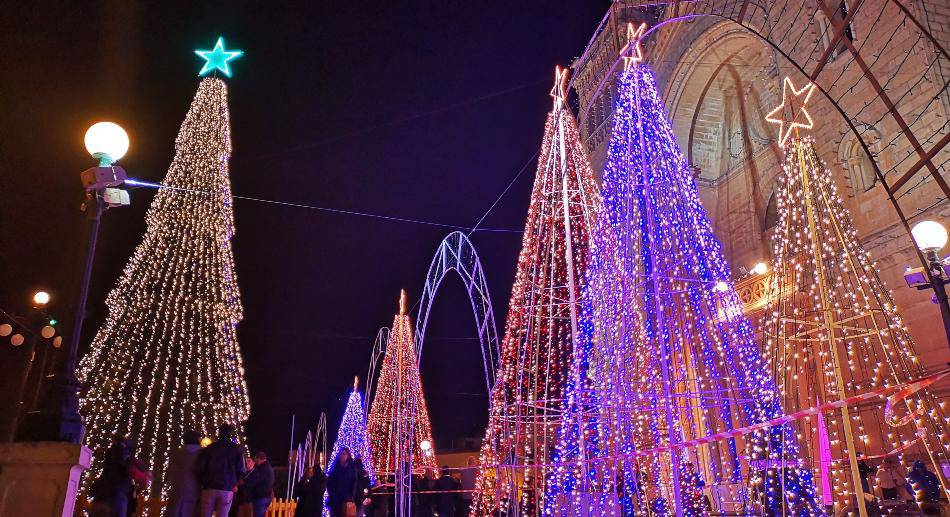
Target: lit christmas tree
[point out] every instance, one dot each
(833, 331)
(166, 359)
(665, 355)
(542, 320)
(398, 427)
(353, 436)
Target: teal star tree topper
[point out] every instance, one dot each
(218, 58)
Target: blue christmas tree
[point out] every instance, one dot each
(352, 435)
(665, 355)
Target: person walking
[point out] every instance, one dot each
(926, 488)
(363, 482)
(341, 486)
(309, 493)
(468, 485)
(426, 498)
(112, 490)
(183, 492)
(258, 485)
(448, 496)
(891, 481)
(218, 468)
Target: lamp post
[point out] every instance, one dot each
(58, 419)
(931, 237)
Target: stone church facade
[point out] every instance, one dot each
(719, 79)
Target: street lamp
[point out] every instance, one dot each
(931, 237)
(40, 299)
(107, 142)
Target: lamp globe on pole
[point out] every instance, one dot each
(930, 236)
(40, 299)
(106, 142)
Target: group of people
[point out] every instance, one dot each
(202, 482)
(347, 489)
(351, 493)
(889, 485)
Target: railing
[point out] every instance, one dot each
(153, 507)
(753, 292)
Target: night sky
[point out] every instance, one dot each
(425, 110)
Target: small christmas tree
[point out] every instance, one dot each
(398, 426)
(665, 355)
(833, 331)
(352, 435)
(166, 359)
(542, 320)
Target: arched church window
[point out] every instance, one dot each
(858, 164)
(826, 26)
(771, 213)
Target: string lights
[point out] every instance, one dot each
(542, 321)
(398, 425)
(353, 436)
(166, 359)
(833, 331)
(665, 354)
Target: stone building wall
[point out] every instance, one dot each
(719, 80)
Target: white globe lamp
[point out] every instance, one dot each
(106, 142)
(930, 236)
(40, 298)
(761, 268)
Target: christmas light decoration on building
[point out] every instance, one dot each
(542, 320)
(166, 359)
(398, 418)
(665, 357)
(833, 331)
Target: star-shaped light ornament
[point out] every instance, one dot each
(218, 58)
(559, 90)
(632, 52)
(791, 114)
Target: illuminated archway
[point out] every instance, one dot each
(456, 253)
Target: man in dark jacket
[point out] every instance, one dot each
(449, 496)
(310, 491)
(259, 485)
(184, 493)
(219, 467)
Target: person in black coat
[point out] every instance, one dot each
(362, 487)
(309, 493)
(218, 468)
(113, 487)
(259, 485)
(450, 496)
(341, 485)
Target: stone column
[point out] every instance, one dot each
(41, 478)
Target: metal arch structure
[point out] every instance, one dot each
(457, 253)
(775, 23)
(379, 350)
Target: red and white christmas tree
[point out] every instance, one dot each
(538, 344)
(398, 426)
